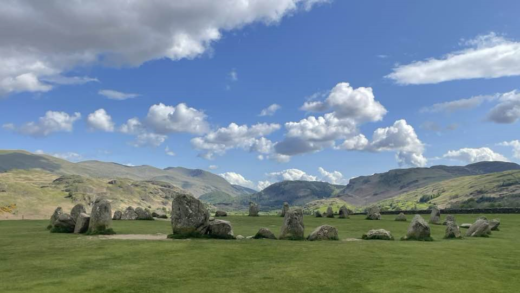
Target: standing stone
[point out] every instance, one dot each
(435, 216)
(452, 230)
(449, 218)
(293, 228)
(324, 232)
(493, 224)
(220, 229)
(318, 214)
(64, 224)
(57, 212)
(220, 214)
(101, 217)
(264, 233)
(378, 234)
(401, 217)
(285, 208)
(189, 216)
(479, 229)
(77, 210)
(373, 213)
(143, 214)
(117, 215)
(253, 209)
(82, 223)
(343, 212)
(330, 213)
(129, 214)
(418, 230)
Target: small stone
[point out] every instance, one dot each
(435, 216)
(264, 233)
(318, 214)
(378, 234)
(253, 209)
(129, 214)
(373, 213)
(240, 237)
(220, 229)
(401, 217)
(343, 212)
(418, 230)
(143, 214)
(117, 215)
(220, 214)
(449, 218)
(452, 231)
(479, 229)
(285, 208)
(64, 224)
(329, 213)
(324, 232)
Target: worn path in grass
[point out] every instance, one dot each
(34, 260)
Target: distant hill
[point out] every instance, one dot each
(197, 182)
(364, 190)
(34, 194)
(490, 190)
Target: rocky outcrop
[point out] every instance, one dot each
(329, 213)
(129, 214)
(435, 216)
(479, 229)
(293, 227)
(418, 230)
(143, 214)
(64, 224)
(343, 212)
(220, 229)
(77, 210)
(220, 214)
(324, 232)
(493, 224)
(253, 209)
(373, 213)
(117, 215)
(160, 214)
(264, 233)
(285, 208)
(82, 223)
(189, 217)
(101, 217)
(401, 218)
(449, 218)
(378, 234)
(57, 212)
(452, 230)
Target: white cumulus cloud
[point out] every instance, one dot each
(507, 110)
(100, 120)
(237, 179)
(334, 177)
(291, 175)
(515, 144)
(474, 155)
(50, 123)
(165, 119)
(115, 95)
(269, 111)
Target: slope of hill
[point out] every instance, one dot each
(489, 190)
(364, 190)
(196, 181)
(34, 194)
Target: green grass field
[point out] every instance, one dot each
(34, 260)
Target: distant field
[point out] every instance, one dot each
(34, 260)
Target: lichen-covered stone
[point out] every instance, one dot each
(401, 217)
(479, 229)
(64, 224)
(449, 218)
(57, 212)
(220, 214)
(253, 209)
(373, 213)
(378, 234)
(101, 217)
(329, 213)
(343, 213)
(264, 233)
(143, 214)
(82, 223)
(285, 208)
(452, 230)
(418, 230)
(293, 227)
(129, 214)
(435, 216)
(493, 224)
(117, 215)
(220, 229)
(189, 217)
(324, 232)
(77, 210)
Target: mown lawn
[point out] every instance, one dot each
(34, 260)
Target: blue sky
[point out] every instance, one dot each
(372, 70)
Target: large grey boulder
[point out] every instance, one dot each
(64, 224)
(479, 229)
(264, 233)
(82, 223)
(449, 218)
(189, 217)
(435, 216)
(220, 214)
(373, 213)
(253, 209)
(324, 232)
(452, 230)
(285, 208)
(129, 214)
(418, 230)
(343, 212)
(293, 227)
(378, 234)
(101, 217)
(330, 213)
(77, 210)
(493, 224)
(57, 212)
(117, 215)
(401, 217)
(318, 214)
(143, 214)
(220, 229)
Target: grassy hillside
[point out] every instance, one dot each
(34, 194)
(365, 190)
(34, 260)
(490, 190)
(196, 181)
